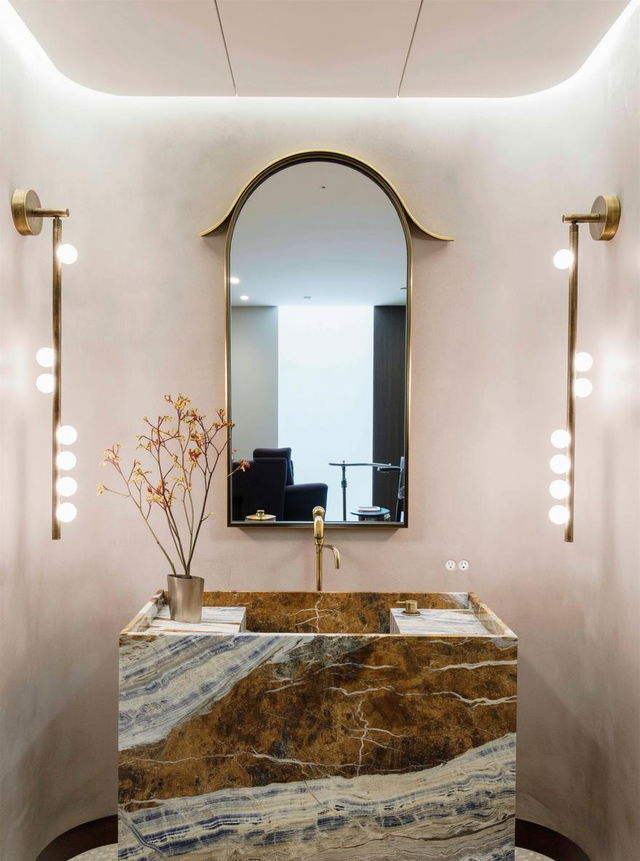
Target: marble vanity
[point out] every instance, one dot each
(293, 725)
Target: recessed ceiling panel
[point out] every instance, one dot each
(318, 47)
(133, 47)
(333, 48)
(502, 47)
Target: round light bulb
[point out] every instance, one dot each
(66, 486)
(45, 383)
(563, 259)
(66, 512)
(582, 387)
(66, 434)
(560, 438)
(67, 253)
(559, 488)
(559, 464)
(559, 514)
(65, 460)
(234, 279)
(583, 362)
(44, 357)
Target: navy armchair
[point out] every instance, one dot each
(269, 484)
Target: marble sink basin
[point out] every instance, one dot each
(293, 725)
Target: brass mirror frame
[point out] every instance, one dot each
(407, 220)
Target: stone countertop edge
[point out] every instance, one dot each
(494, 626)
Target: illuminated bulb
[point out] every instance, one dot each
(45, 383)
(559, 464)
(67, 253)
(66, 512)
(234, 279)
(583, 362)
(66, 434)
(559, 488)
(44, 357)
(66, 486)
(560, 438)
(559, 514)
(582, 387)
(244, 298)
(65, 460)
(563, 259)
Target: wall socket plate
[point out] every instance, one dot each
(463, 565)
(450, 564)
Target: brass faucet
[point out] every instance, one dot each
(318, 537)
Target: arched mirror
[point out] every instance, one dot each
(318, 302)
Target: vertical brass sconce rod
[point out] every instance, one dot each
(27, 216)
(56, 343)
(571, 351)
(603, 223)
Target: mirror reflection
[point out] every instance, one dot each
(318, 298)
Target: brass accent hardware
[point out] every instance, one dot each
(410, 607)
(318, 537)
(56, 343)
(603, 221)
(27, 213)
(260, 515)
(572, 339)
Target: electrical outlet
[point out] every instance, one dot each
(450, 564)
(463, 565)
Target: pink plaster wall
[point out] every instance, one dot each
(144, 315)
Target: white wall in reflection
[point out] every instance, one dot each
(325, 375)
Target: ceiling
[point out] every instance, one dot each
(318, 233)
(331, 48)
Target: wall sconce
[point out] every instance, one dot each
(603, 221)
(27, 213)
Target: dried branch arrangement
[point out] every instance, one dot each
(174, 477)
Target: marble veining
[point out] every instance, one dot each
(319, 744)
(165, 680)
(110, 853)
(215, 620)
(463, 622)
(330, 612)
(361, 817)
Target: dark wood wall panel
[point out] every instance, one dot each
(389, 398)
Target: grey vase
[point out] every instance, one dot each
(185, 598)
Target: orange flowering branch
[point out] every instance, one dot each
(184, 449)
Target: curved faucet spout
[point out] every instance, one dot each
(336, 554)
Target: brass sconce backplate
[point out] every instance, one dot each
(27, 212)
(24, 202)
(607, 208)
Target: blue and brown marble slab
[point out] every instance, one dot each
(316, 734)
(432, 622)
